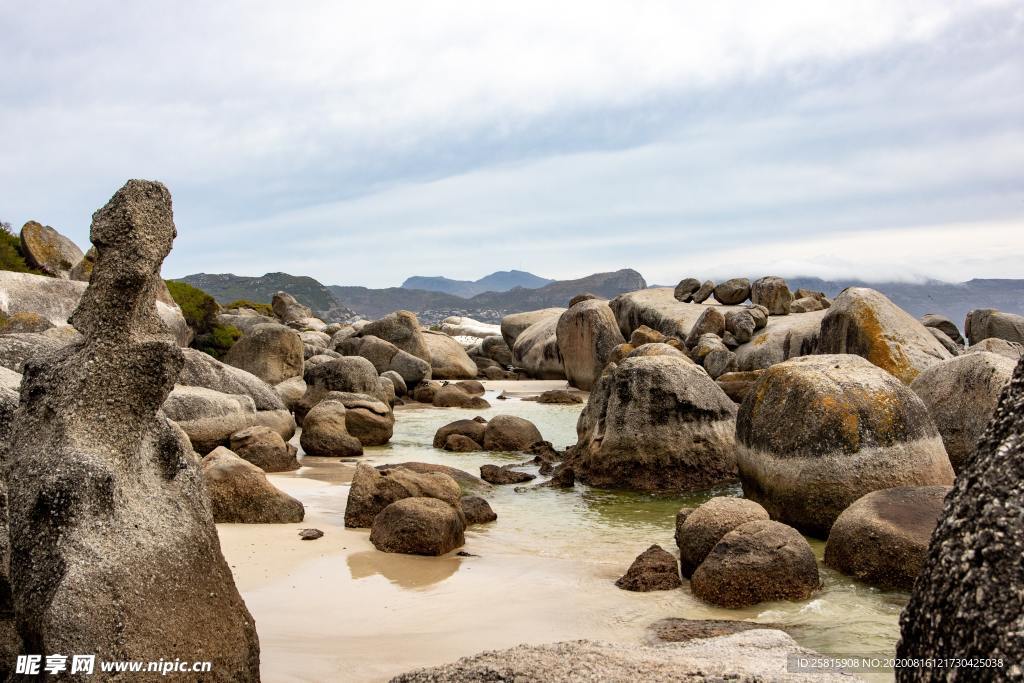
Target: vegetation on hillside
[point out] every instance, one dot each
(200, 311)
(262, 309)
(11, 256)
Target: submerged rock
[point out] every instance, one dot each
(677, 630)
(970, 589)
(105, 493)
(655, 569)
(493, 474)
(510, 433)
(477, 510)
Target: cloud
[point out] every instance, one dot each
(364, 142)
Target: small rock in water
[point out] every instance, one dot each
(493, 474)
(310, 534)
(655, 569)
(463, 553)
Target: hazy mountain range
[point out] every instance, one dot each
(435, 298)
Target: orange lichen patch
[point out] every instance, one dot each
(878, 347)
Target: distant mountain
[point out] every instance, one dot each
(432, 307)
(225, 288)
(500, 281)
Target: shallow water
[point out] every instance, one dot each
(336, 608)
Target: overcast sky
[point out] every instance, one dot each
(364, 142)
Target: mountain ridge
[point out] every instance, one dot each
(498, 281)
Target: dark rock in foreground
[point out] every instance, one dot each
(655, 569)
(107, 514)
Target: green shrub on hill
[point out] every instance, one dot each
(200, 311)
(263, 309)
(11, 256)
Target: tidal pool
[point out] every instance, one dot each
(337, 609)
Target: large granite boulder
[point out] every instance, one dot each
(448, 359)
(882, 538)
(988, 323)
(497, 350)
(209, 417)
(402, 329)
(773, 293)
(516, 323)
(658, 309)
(203, 370)
(366, 418)
(536, 350)
(586, 335)
(817, 433)
(325, 431)
(272, 352)
(47, 250)
(351, 374)
(1011, 350)
(241, 493)
(944, 325)
(864, 322)
(386, 357)
(105, 493)
(288, 309)
(372, 490)
(656, 423)
(264, 448)
(418, 526)
(969, 597)
(961, 395)
(510, 433)
(18, 347)
(702, 528)
(784, 337)
(756, 562)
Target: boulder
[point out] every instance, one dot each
(272, 352)
(862, 321)
(291, 391)
(740, 324)
(807, 304)
(754, 655)
(817, 433)
(703, 292)
(373, 490)
(655, 569)
(397, 381)
(448, 360)
(386, 357)
(47, 250)
(944, 339)
(472, 429)
(9, 379)
(493, 474)
(1011, 350)
(288, 309)
(402, 329)
(209, 418)
(245, 319)
(536, 350)
(653, 350)
(658, 310)
(325, 431)
(465, 480)
(986, 323)
(711, 321)
(426, 391)
(679, 630)
(560, 397)
(758, 561)
(737, 385)
(477, 510)
(497, 350)
(105, 495)
(18, 347)
(459, 326)
(203, 370)
(734, 291)
(83, 269)
(510, 433)
(454, 396)
(685, 289)
(586, 334)
(773, 293)
(351, 374)
(972, 583)
(460, 443)
(961, 394)
(944, 325)
(585, 296)
(515, 324)
(240, 492)
(882, 538)
(418, 526)
(369, 420)
(702, 528)
(656, 423)
(24, 322)
(264, 448)
(786, 337)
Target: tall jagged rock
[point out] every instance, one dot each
(969, 599)
(113, 547)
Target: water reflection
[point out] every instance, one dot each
(405, 571)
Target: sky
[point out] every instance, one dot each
(362, 143)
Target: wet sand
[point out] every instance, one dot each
(337, 609)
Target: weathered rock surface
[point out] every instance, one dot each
(961, 395)
(209, 417)
(656, 423)
(107, 512)
(418, 526)
(264, 448)
(703, 292)
(516, 323)
(703, 527)
(536, 350)
(733, 291)
(272, 352)
(988, 323)
(497, 350)
(49, 251)
(757, 562)
(685, 289)
(465, 480)
(655, 569)
(944, 325)
(291, 392)
(493, 474)
(477, 510)
(818, 432)
(773, 293)
(882, 538)
(373, 490)
(448, 359)
(397, 381)
(510, 433)
(560, 397)
(472, 429)
(386, 357)
(402, 329)
(203, 370)
(454, 396)
(351, 374)
(460, 326)
(755, 655)
(678, 630)
(18, 347)
(325, 431)
(241, 493)
(970, 588)
(862, 321)
(1011, 350)
(737, 385)
(369, 420)
(586, 334)
(784, 338)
